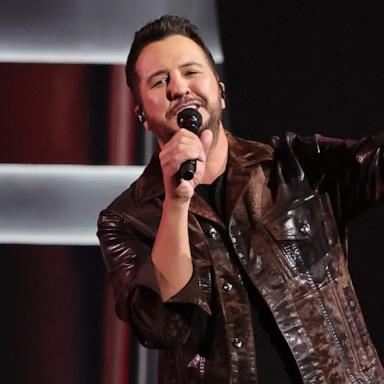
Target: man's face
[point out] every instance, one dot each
(175, 74)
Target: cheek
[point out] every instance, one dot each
(210, 90)
(154, 104)
(203, 87)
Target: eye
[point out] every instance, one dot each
(160, 82)
(191, 72)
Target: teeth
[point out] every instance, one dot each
(193, 106)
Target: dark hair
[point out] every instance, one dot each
(156, 30)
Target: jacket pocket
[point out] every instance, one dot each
(302, 234)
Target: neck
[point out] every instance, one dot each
(217, 158)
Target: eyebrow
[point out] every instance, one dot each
(190, 63)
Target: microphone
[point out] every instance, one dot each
(190, 119)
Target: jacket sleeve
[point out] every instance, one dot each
(126, 251)
(351, 171)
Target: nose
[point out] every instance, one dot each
(177, 87)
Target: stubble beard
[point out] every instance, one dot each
(212, 123)
(214, 120)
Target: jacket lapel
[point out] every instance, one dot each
(243, 159)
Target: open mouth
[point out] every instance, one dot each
(180, 107)
(186, 106)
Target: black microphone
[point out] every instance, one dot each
(190, 119)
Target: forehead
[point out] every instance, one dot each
(171, 52)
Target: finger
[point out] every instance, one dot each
(206, 139)
(181, 152)
(183, 146)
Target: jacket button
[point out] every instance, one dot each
(212, 233)
(227, 286)
(237, 343)
(258, 264)
(305, 229)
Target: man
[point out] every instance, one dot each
(240, 274)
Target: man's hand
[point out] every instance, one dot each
(184, 145)
(171, 253)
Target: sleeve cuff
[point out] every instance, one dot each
(191, 293)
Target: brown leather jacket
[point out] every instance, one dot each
(287, 211)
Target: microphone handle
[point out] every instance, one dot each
(190, 119)
(188, 169)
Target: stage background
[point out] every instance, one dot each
(302, 66)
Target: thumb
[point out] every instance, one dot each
(206, 138)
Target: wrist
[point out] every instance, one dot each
(176, 203)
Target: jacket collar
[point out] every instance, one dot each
(150, 183)
(246, 153)
(242, 156)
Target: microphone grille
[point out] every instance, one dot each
(190, 118)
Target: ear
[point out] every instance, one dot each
(222, 90)
(140, 115)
